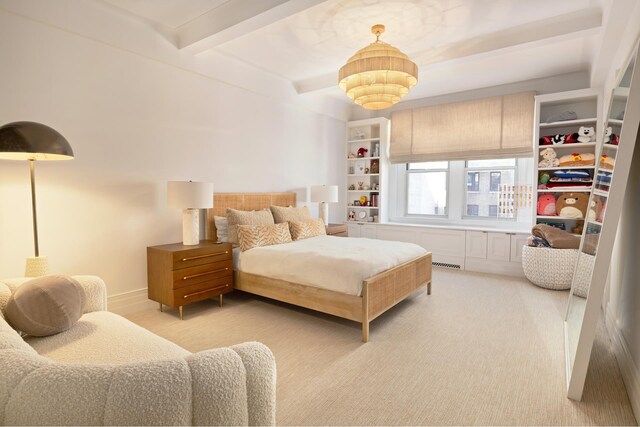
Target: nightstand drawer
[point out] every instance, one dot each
(202, 273)
(199, 256)
(202, 291)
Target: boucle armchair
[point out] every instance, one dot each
(106, 370)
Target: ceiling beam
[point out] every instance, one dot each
(233, 19)
(571, 25)
(617, 31)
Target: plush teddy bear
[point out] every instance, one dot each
(572, 205)
(549, 158)
(610, 137)
(586, 134)
(546, 205)
(595, 206)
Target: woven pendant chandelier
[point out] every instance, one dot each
(379, 75)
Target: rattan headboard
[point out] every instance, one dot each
(243, 202)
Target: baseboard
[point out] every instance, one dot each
(506, 268)
(628, 369)
(129, 302)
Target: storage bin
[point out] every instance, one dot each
(549, 268)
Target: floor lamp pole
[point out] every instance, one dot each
(33, 205)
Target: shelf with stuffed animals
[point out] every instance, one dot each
(567, 141)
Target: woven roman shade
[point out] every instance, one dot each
(489, 128)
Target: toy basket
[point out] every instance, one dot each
(549, 268)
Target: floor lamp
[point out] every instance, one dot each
(33, 141)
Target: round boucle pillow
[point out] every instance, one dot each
(45, 306)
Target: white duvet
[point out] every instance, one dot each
(335, 263)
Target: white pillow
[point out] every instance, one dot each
(222, 228)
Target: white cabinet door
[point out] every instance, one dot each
(517, 242)
(498, 246)
(476, 245)
(354, 230)
(368, 231)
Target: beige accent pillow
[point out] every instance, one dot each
(289, 213)
(236, 217)
(222, 228)
(254, 236)
(46, 305)
(305, 229)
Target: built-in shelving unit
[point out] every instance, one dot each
(587, 105)
(366, 175)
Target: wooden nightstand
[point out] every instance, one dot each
(178, 275)
(339, 230)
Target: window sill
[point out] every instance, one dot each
(494, 226)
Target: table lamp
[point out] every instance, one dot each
(190, 197)
(33, 141)
(324, 194)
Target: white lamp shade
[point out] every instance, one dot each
(324, 193)
(189, 194)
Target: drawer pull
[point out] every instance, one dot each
(204, 256)
(205, 291)
(204, 274)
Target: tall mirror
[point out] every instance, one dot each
(605, 204)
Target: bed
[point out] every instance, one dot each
(377, 294)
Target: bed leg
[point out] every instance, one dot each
(429, 288)
(365, 331)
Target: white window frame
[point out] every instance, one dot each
(489, 169)
(456, 199)
(415, 171)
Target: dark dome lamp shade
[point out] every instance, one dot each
(33, 141)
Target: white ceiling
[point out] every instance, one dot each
(457, 44)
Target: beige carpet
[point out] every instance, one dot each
(482, 349)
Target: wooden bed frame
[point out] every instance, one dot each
(379, 292)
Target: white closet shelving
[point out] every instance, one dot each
(587, 104)
(366, 173)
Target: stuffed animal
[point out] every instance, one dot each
(558, 139)
(546, 205)
(549, 158)
(362, 151)
(572, 205)
(607, 162)
(543, 179)
(578, 159)
(578, 228)
(586, 134)
(595, 206)
(610, 137)
(571, 138)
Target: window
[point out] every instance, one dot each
(488, 183)
(427, 188)
(473, 181)
(494, 181)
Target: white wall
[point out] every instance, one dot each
(136, 120)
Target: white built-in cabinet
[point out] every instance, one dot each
(499, 246)
(476, 246)
(486, 251)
